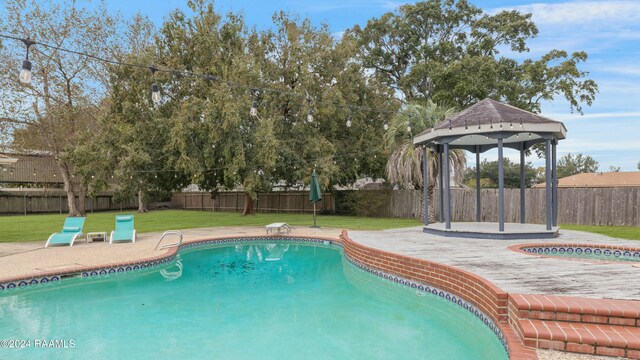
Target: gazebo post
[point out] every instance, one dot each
(425, 184)
(447, 185)
(547, 172)
(441, 185)
(554, 182)
(500, 185)
(522, 207)
(478, 209)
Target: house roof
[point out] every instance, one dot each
(484, 122)
(4, 159)
(599, 180)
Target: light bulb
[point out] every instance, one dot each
(349, 121)
(408, 128)
(386, 125)
(310, 115)
(155, 93)
(254, 109)
(25, 73)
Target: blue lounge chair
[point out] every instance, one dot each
(71, 230)
(124, 229)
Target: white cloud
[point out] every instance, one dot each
(570, 117)
(582, 12)
(633, 70)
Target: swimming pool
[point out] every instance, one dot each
(588, 252)
(248, 300)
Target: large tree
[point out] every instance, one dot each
(571, 164)
(61, 103)
(449, 51)
(222, 146)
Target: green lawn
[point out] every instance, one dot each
(622, 232)
(39, 227)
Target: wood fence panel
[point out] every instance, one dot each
(56, 203)
(583, 206)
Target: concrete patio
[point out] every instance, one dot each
(516, 272)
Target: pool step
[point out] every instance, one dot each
(599, 339)
(590, 326)
(573, 309)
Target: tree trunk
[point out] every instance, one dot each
(248, 204)
(82, 200)
(431, 207)
(141, 202)
(68, 188)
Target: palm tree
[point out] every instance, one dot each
(404, 166)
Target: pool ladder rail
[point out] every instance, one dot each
(166, 246)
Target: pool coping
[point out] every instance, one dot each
(519, 248)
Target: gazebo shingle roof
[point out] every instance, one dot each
(489, 111)
(486, 121)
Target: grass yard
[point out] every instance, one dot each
(621, 232)
(40, 227)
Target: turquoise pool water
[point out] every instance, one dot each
(249, 301)
(587, 253)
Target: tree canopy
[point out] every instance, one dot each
(450, 51)
(489, 174)
(570, 164)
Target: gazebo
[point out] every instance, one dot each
(484, 126)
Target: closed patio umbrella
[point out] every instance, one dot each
(315, 194)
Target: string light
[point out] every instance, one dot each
(25, 76)
(254, 105)
(25, 73)
(349, 121)
(310, 112)
(386, 125)
(155, 93)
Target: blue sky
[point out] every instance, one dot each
(608, 30)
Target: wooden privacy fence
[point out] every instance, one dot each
(581, 206)
(27, 203)
(277, 201)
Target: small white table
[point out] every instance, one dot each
(279, 227)
(97, 235)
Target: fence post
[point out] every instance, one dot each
(60, 203)
(279, 192)
(202, 201)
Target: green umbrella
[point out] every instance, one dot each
(315, 194)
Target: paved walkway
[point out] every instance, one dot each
(32, 258)
(515, 272)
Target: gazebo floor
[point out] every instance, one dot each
(489, 230)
